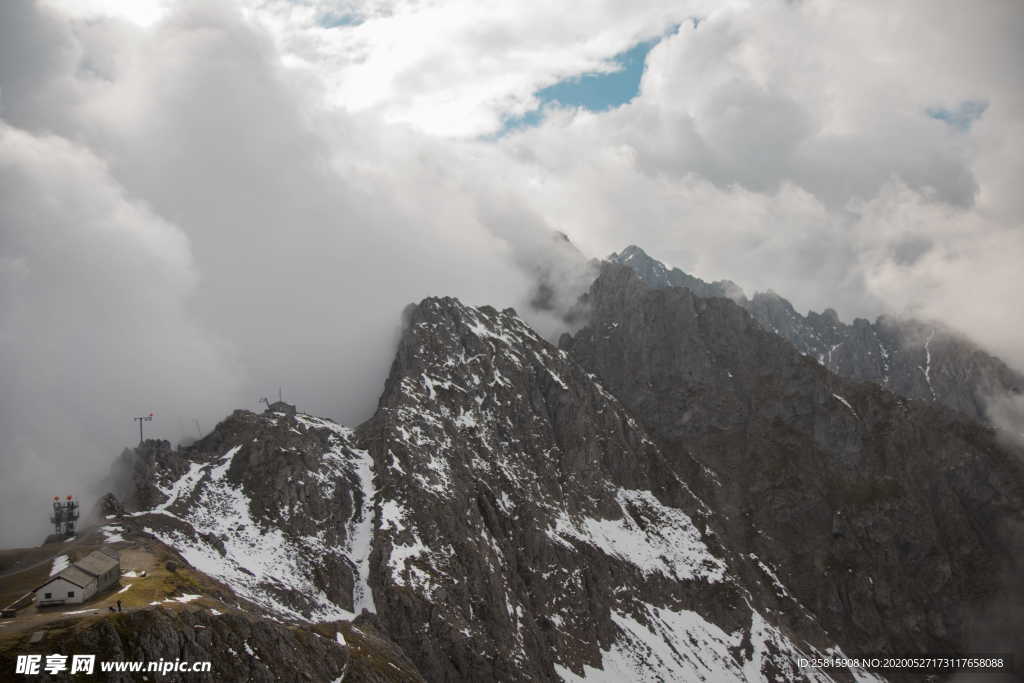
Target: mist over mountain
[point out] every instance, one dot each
(203, 202)
(349, 256)
(673, 492)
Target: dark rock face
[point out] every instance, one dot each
(527, 523)
(279, 653)
(502, 515)
(931, 505)
(924, 361)
(675, 494)
(134, 475)
(656, 274)
(109, 505)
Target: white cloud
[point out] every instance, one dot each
(252, 198)
(788, 146)
(140, 12)
(457, 68)
(94, 323)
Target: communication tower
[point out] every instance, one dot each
(65, 514)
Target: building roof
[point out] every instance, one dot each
(72, 575)
(96, 563)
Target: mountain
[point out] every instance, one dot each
(502, 514)
(916, 359)
(672, 493)
(898, 523)
(656, 274)
(530, 530)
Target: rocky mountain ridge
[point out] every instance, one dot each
(841, 484)
(673, 492)
(502, 514)
(913, 358)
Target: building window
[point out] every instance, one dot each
(71, 594)
(47, 596)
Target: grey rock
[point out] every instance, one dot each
(675, 492)
(932, 502)
(523, 523)
(239, 648)
(916, 359)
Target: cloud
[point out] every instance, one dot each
(95, 325)
(196, 231)
(207, 200)
(459, 68)
(788, 146)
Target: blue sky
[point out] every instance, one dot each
(592, 91)
(335, 20)
(961, 117)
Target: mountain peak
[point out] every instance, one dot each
(913, 358)
(656, 274)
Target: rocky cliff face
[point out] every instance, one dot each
(502, 514)
(924, 361)
(674, 494)
(238, 647)
(529, 529)
(843, 486)
(656, 274)
(275, 505)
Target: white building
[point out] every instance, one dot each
(77, 583)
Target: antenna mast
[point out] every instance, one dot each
(140, 420)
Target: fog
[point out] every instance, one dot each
(221, 247)
(203, 202)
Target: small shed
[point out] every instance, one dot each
(68, 586)
(96, 572)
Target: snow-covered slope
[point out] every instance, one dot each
(280, 512)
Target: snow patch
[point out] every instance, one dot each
(657, 644)
(666, 542)
(927, 368)
(60, 563)
(361, 536)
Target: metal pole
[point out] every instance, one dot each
(140, 420)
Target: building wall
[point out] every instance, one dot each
(59, 589)
(105, 582)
